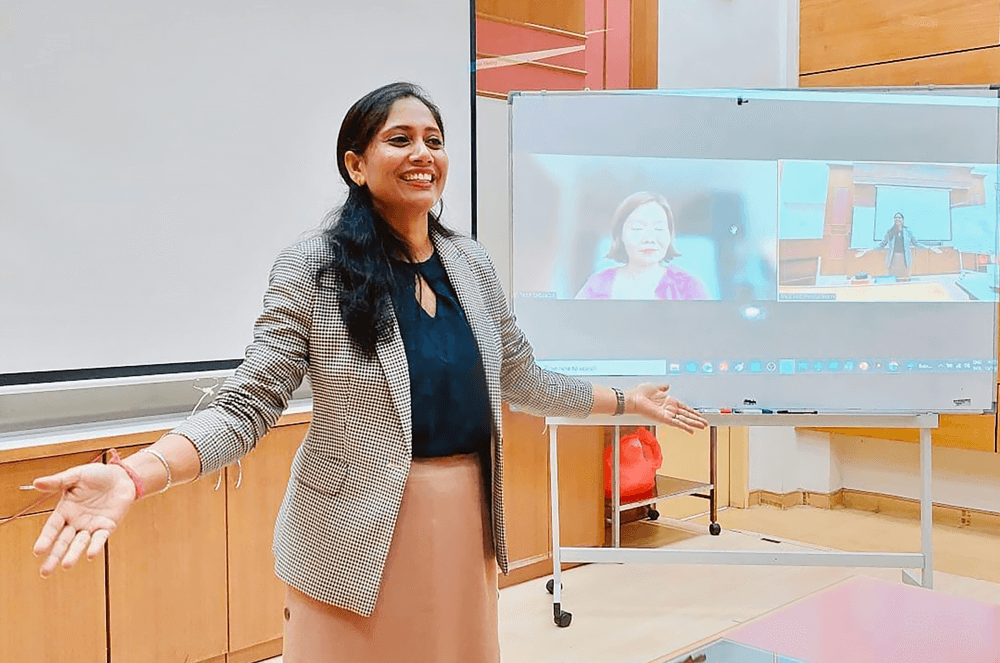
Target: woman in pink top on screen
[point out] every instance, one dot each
(642, 231)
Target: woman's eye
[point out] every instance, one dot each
(399, 140)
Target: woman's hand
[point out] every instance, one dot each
(653, 402)
(95, 498)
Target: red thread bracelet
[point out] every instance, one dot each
(115, 459)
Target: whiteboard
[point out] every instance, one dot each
(156, 156)
(779, 313)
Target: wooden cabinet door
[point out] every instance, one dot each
(527, 497)
(58, 619)
(256, 595)
(167, 578)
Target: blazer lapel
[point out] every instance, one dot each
(392, 355)
(470, 297)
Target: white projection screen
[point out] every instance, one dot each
(741, 245)
(156, 156)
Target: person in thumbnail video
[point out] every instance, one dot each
(642, 232)
(900, 240)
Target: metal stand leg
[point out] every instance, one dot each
(561, 618)
(926, 509)
(616, 496)
(713, 528)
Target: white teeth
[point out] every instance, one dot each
(419, 177)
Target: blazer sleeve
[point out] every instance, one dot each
(251, 401)
(522, 381)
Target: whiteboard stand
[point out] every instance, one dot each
(923, 560)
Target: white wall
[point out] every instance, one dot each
(961, 477)
(784, 460)
(729, 43)
(492, 183)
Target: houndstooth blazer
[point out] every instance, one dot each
(336, 521)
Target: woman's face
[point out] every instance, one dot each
(898, 220)
(405, 166)
(646, 235)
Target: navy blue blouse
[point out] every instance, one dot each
(449, 400)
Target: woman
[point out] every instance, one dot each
(385, 538)
(900, 240)
(642, 231)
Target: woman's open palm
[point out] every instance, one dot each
(653, 402)
(94, 500)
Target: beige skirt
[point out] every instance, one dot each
(438, 599)
(898, 268)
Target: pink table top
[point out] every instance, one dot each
(865, 620)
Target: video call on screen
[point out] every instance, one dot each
(649, 228)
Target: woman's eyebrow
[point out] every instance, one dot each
(406, 127)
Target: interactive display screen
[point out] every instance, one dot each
(792, 237)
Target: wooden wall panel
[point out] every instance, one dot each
(979, 67)
(526, 486)
(256, 595)
(844, 33)
(644, 70)
(14, 475)
(976, 432)
(170, 559)
(61, 618)
(560, 14)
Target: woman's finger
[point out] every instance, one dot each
(50, 531)
(76, 548)
(97, 541)
(697, 418)
(58, 482)
(679, 423)
(58, 550)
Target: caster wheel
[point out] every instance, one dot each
(715, 529)
(550, 585)
(653, 514)
(564, 619)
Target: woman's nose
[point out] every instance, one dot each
(420, 152)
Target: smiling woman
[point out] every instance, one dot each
(642, 231)
(392, 525)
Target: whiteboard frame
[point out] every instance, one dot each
(984, 91)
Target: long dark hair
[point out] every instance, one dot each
(361, 241)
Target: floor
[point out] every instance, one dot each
(643, 613)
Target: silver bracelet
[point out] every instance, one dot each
(166, 466)
(620, 405)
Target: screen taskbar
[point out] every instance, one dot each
(778, 366)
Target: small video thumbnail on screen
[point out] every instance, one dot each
(643, 228)
(907, 232)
